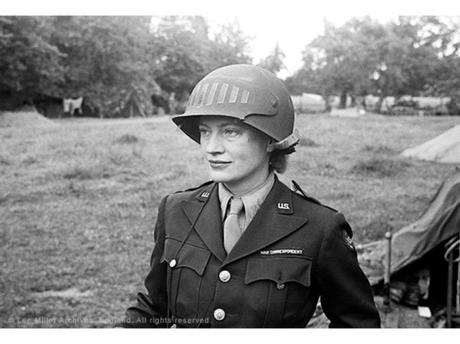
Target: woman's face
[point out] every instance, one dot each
(237, 154)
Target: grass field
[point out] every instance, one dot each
(78, 201)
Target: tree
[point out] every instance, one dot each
(28, 61)
(228, 46)
(341, 60)
(405, 56)
(185, 52)
(107, 58)
(180, 45)
(274, 61)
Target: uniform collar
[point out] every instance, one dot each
(251, 200)
(275, 219)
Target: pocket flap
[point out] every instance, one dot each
(279, 270)
(189, 256)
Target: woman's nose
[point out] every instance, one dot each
(213, 144)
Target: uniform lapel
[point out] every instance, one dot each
(209, 224)
(275, 219)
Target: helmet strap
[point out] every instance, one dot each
(286, 143)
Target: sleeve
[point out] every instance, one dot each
(346, 295)
(151, 308)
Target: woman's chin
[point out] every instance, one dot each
(218, 177)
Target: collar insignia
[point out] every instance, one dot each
(284, 206)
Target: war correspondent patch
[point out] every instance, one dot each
(282, 251)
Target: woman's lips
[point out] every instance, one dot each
(218, 164)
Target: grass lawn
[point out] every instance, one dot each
(78, 201)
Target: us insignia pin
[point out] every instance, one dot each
(348, 241)
(284, 206)
(205, 194)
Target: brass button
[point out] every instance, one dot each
(172, 263)
(225, 276)
(219, 314)
(280, 286)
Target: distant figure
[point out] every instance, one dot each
(244, 250)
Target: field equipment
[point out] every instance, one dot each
(453, 319)
(249, 93)
(387, 275)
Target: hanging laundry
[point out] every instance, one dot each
(71, 105)
(66, 104)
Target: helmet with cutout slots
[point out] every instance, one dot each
(249, 93)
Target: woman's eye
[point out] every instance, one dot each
(231, 132)
(204, 132)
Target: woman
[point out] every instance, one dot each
(244, 250)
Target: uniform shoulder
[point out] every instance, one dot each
(190, 192)
(298, 191)
(329, 215)
(195, 187)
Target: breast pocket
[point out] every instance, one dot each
(283, 283)
(187, 265)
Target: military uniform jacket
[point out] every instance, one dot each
(293, 252)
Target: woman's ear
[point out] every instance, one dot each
(270, 146)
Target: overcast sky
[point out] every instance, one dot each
(291, 23)
(292, 32)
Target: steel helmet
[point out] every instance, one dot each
(250, 93)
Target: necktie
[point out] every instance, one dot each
(232, 229)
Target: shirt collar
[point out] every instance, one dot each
(251, 200)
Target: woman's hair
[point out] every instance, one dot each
(278, 162)
(279, 159)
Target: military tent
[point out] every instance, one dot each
(309, 103)
(421, 244)
(443, 148)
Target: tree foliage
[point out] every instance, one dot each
(28, 61)
(105, 59)
(411, 55)
(186, 51)
(274, 62)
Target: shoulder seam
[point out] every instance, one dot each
(195, 188)
(298, 190)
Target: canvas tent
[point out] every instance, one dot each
(309, 103)
(443, 148)
(420, 244)
(348, 112)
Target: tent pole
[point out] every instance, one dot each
(449, 291)
(457, 297)
(449, 256)
(386, 298)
